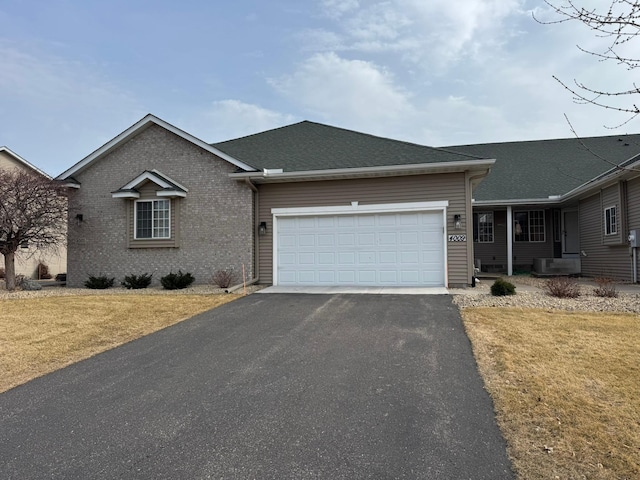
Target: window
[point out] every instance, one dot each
(152, 219)
(611, 221)
(483, 227)
(529, 226)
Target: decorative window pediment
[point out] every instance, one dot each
(168, 187)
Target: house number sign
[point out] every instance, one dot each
(457, 238)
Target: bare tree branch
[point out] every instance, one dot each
(33, 211)
(621, 23)
(595, 154)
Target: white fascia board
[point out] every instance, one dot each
(347, 172)
(171, 193)
(17, 157)
(607, 177)
(141, 125)
(355, 208)
(519, 201)
(156, 177)
(125, 195)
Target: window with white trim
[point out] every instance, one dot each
(529, 226)
(611, 220)
(483, 227)
(152, 219)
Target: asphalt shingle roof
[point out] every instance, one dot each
(538, 169)
(309, 146)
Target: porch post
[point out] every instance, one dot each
(509, 241)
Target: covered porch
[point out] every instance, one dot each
(528, 238)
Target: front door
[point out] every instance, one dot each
(570, 234)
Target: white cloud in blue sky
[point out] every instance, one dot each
(76, 73)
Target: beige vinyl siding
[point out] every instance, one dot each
(610, 197)
(8, 162)
(148, 192)
(493, 256)
(600, 260)
(525, 252)
(415, 188)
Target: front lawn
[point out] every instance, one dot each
(565, 388)
(40, 335)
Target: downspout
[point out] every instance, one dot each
(509, 241)
(256, 242)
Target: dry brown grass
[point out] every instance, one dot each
(40, 335)
(565, 389)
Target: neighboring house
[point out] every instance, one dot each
(305, 204)
(310, 204)
(557, 206)
(28, 258)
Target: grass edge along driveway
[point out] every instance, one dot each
(41, 335)
(564, 386)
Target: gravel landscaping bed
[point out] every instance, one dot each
(64, 291)
(535, 297)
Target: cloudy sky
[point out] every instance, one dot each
(75, 73)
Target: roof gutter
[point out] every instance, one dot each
(608, 176)
(279, 175)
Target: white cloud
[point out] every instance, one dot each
(438, 32)
(337, 8)
(345, 91)
(227, 119)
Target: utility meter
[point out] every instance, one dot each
(633, 238)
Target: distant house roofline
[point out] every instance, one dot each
(24, 162)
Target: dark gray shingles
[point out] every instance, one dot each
(308, 146)
(538, 169)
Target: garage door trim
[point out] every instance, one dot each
(355, 209)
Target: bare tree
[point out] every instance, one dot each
(33, 212)
(619, 22)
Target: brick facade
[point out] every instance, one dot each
(215, 220)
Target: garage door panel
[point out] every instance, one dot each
(307, 258)
(366, 258)
(326, 222)
(346, 221)
(409, 238)
(372, 249)
(388, 257)
(366, 239)
(346, 239)
(327, 277)
(326, 258)
(347, 277)
(412, 258)
(326, 240)
(346, 258)
(367, 277)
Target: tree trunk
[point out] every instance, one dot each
(10, 270)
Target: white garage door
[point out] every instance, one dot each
(389, 249)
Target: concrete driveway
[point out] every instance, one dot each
(274, 386)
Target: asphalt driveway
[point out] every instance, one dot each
(280, 386)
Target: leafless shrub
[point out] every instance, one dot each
(223, 278)
(562, 287)
(606, 287)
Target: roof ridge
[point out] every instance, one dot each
(565, 139)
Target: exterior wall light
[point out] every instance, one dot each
(457, 222)
(262, 228)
